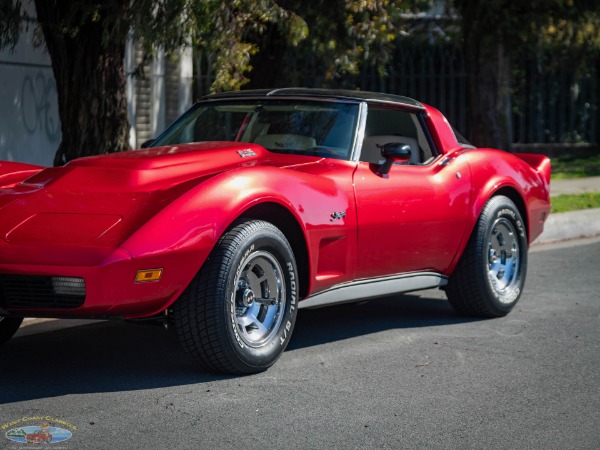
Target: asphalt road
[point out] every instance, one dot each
(401, 372)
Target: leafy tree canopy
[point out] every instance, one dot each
(10, 23)
(528, 25)
(345, 33)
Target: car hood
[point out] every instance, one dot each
(160, 167)
(93, 204)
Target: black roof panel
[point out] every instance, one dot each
(330, 93)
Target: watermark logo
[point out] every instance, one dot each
(38, 430)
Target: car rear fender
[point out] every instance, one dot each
(540, 163)
(500, 173)
(496, 186)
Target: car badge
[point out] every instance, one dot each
(247, 153)
(337, 215)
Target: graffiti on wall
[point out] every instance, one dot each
(37, 93)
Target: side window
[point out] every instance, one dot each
(385, 125)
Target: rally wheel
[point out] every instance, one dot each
(238, 313)
(490, 277)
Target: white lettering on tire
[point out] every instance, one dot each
(232, 300)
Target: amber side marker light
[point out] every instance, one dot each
(144, 276)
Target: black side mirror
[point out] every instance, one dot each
(393, 152)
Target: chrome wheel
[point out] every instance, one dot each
(503, 256)
(238, 313)
(259, 299)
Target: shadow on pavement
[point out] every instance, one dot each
(319, 326)
(117, 356)
(103, 357)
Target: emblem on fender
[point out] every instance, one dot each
(337, 215)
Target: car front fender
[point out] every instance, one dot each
(185, 232)
(15, 172)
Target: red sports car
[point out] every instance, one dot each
(257, 203)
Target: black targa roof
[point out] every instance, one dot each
(343, 94)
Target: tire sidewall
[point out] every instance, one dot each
(503, 208)
(271, 241)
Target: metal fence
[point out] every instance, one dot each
(431, 74)
(555, 103)
(551, 103)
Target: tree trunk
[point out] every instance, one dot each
(489, 97)
(489, 76)
(90, 77)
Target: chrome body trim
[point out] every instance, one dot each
(359, 135)
(374, 287)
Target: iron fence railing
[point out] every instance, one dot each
(551, 103)
(556, 103)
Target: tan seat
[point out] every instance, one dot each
(285, 142)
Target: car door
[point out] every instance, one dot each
(414, 218)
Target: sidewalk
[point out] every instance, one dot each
(575, 224)
(575, 186)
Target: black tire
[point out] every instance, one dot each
(8, 327)
(490, 276)
(239, 312)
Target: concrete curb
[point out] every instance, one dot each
(570, 225)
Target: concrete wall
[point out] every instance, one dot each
(29, 123)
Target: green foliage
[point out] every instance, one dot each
(529, 25)
(223, 28)
(220, 27)
(574, 202)
(340, 34)
(10, 22)
(576, 166)
(343, 34)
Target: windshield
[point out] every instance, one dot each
(314, 128)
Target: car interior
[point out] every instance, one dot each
(386, 125)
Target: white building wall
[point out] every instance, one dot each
(186, 79)
(29, 122)
(130, 65)
(158, 103)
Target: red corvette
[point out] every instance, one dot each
(257, 203)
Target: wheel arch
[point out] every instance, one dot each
(516, 198)
(501, 173)
(506, 190)
(285, 221)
